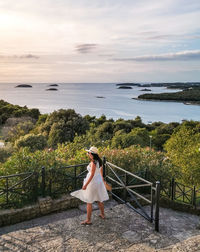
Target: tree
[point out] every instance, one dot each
(104, 131)
(122, 125)
(8, 110)
(16, 127)
(137, 136)
(62, 126)
(137, 123)
(183, 150)
(34, 142)
(5, 152)
(162, 133)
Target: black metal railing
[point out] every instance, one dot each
(62, 180)
(176, 191)
(131, 189)
(18, 189)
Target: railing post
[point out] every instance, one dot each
(157, 206)
(172, 189)
(152, 202)
(43, 182)
(75, 178)
(104, 167)
(36, 186)
(194, 197)
(7, 191)
(183, 193)
(49, 189)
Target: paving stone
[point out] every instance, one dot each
(123, 230)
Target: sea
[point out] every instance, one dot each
(98, 99)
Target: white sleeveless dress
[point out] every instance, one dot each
(95, 191)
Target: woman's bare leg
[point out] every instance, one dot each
(101, 207)
(89, 214)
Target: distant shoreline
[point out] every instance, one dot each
(174, 85)
(157, 100)
(188, 96)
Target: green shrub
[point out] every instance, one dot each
(183, 149)
(5, 153)
(34, 142)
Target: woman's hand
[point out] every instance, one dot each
(84, 187)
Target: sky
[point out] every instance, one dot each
(71, 41)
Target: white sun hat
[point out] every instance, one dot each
(93, 150)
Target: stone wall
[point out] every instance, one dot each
(44, 206)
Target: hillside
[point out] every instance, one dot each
(190, 96)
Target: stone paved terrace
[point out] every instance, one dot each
(122, 230)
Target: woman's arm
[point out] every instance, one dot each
(93, 168)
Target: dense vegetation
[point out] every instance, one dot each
(60, 138)
(8, 110)
(188, 95)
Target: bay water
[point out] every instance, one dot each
(96, 99)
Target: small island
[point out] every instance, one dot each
(23, 86)
(187, 96)
(53, 85)
(100, 97)
(52, 89)
(145, 89)
(129, 84)
(124, 87)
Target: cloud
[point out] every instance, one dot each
(86, 48)
(24, 56)
(105, 55)
(28, 56)
(181, 56)
(173, 36)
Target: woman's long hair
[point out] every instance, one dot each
(97, 158)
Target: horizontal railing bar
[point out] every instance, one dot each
(71, 166)
(131, 186)
(131, 174)
(136, 186)
(15, 175)
(17, 184)
(125, 187)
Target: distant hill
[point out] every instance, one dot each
(191, 95)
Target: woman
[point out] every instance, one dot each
(93, 186)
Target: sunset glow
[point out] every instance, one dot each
(99, 41)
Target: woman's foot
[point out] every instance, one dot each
(86, 222)
(102, 216)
